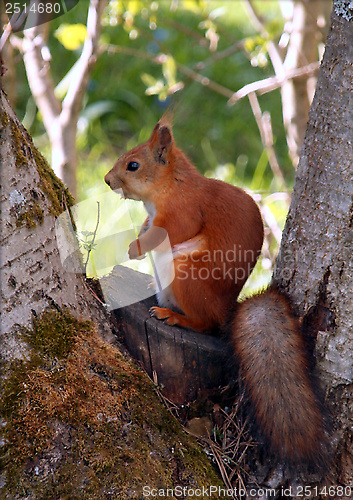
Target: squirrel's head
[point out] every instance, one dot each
(143, 171)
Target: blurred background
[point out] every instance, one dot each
(240, 75)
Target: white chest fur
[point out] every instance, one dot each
(151, 210)
(163, 268)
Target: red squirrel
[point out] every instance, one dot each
(216, 233)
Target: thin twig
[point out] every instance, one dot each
(96, 296)
(160, 58)
(187, 31)
(92, 242)
(16, 20)
(263, 123)
(259, 86)
(220, 463)
(204, 80)
(232, 49)
(129, 51)
(271, 221)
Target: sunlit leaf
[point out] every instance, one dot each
(169, 70)
(191, 5)
(156, 89)
(71, 36)
(148, 80)
(218, 12)
(249, 44)
(134, 6)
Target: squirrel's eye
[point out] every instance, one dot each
(133, 166)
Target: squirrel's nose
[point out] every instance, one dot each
(107, 180)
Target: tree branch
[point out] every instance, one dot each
(73, 99)
(219, 55)
(263, 121)
(273, 82)
(60, 118)
(38, 74)
(273, 51)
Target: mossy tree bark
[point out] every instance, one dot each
(315, 264)
(78, 420)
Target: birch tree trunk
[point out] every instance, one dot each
(315, 265)
(295, 60)
(308, 20)
(77, 419)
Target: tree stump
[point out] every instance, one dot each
(185, 364)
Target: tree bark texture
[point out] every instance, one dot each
(315, 265)
(32, 275)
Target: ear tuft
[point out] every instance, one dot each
(161, 141)
(155, 128)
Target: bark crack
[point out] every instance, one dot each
(320, 317)
(146, 322)
(350, 224)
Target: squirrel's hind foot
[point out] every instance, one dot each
(164, 313)
(174, 318)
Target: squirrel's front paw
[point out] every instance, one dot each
(135, 250)
(152, 285)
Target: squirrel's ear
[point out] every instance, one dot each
(165, 136)
(161, 140)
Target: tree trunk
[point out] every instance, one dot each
(62, 134)
(303, 49)
(315, 265)
(78, 420)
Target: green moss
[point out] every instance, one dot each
(58, 194)
(4, 120)
(13, 388)
(31, 217)
(81, 421)
(52, 186)
(20, 157)
(54, 333)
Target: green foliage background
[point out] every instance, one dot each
(118, 113)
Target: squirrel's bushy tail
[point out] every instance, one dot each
(273, 361)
